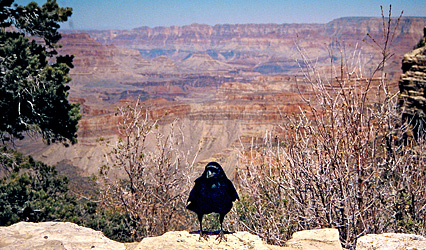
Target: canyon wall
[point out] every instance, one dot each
(412, 86)
(269, 47)
(225, 84)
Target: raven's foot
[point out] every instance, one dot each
(203, 234)
(221, 237)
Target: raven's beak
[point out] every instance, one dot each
(210, 174)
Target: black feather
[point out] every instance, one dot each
(213, 192)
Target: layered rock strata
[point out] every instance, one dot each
(412, 89)
(267, 48)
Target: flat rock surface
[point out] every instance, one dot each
(391, 241)
(66, 235)
(54, 235)
(316, 239)
(180, 240)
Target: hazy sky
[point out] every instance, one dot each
(128, 14)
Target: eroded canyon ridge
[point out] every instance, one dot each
(225, 83)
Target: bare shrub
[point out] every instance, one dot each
(146, 174)
(264, 207)
(341, 163)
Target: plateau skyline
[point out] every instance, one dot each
(129, 14)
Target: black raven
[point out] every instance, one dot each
(213, 192)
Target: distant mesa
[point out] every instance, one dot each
(163, 60)
(204, 62)
(164, 64)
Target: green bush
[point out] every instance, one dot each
(33, 191)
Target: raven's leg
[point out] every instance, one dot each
(200, 219)
(202, 235)
(221, 235)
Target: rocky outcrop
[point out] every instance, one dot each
(412, 88)
(315, 239)
(54, 235)
(183, 240)
(65, 235)
(391, 241)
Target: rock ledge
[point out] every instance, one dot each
(66, 235)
